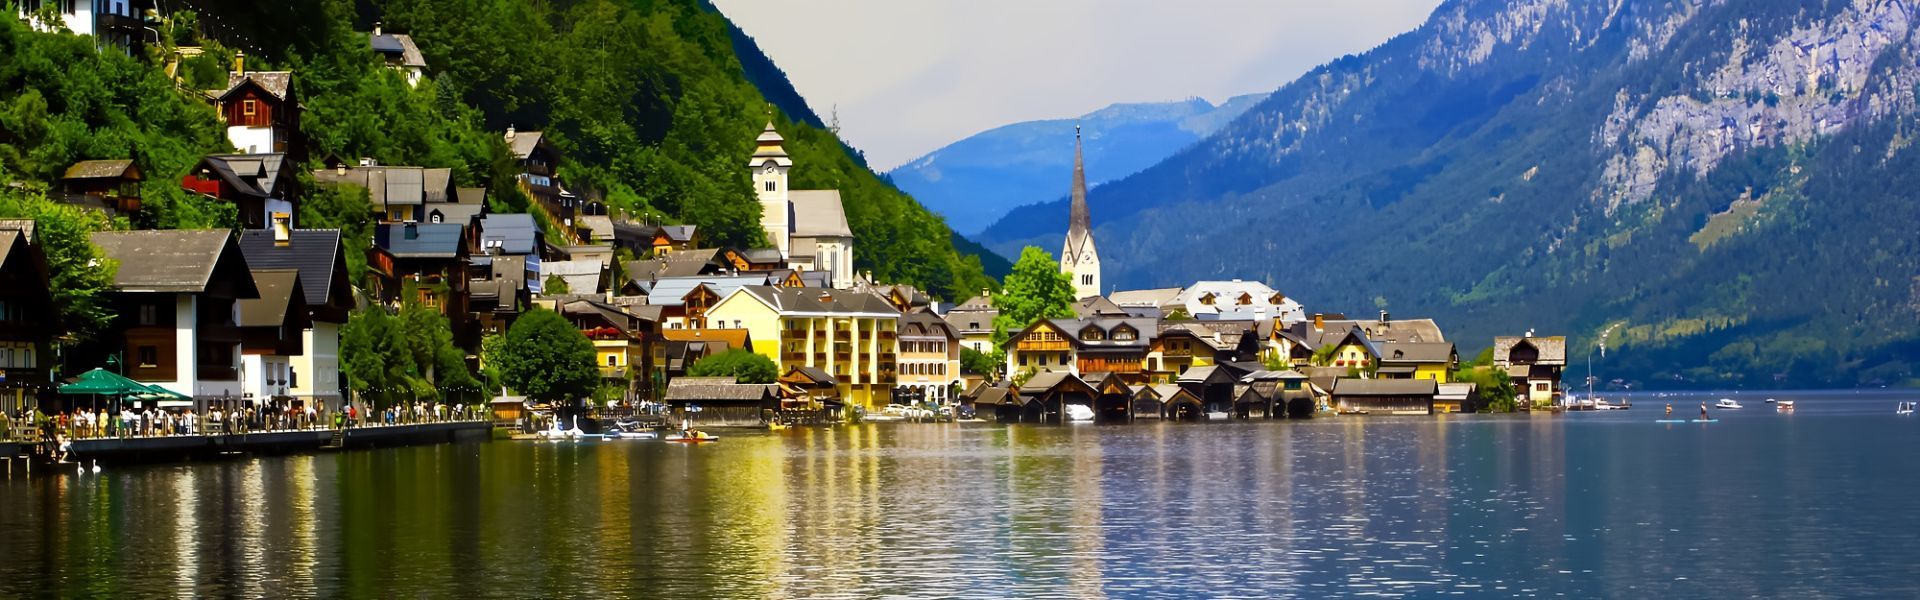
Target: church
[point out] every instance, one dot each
(1079, 259)
(808, 227)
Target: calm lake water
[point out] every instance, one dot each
(1825, 502)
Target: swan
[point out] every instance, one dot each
(96, 466)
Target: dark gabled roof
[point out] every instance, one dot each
(921, 324)
(1099, 306)
(514, 233)
(430, 240)
(1553, 349)
(100, 169)
(1049, 380)
(1409, 352)
(174, 260)
(813, 374)
(275, 83)
(257, 175)
(280, 295)
(398, 44)
(708, 389)
(1144, 330)
(316, 253)
(1385, 387)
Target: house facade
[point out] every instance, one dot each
(929, 368)
(1534, 364)
(176, 296)
(852, 336)
(27, 319)
(326, 297)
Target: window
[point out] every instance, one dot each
(1084, 279)
(769, 186)
(612, 360)
(293, 377)
(436, 216)
(149, 315)
(149, 356)
(1023, 357)
(252, 107)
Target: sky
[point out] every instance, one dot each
(910, 76)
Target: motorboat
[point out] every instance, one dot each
(1600, 404)
(1783, 406)
(1079, 413)
(1906, 408)
(1727, 404)
(1772, 401)
(630, 430)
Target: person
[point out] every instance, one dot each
(1669, 409)
(1703, 411)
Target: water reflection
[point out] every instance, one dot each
(1814, 504)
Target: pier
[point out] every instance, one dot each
(178, 447)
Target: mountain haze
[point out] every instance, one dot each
(1728, 183)
(976, 180)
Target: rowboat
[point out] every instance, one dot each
(692, 437)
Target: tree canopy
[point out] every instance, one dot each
(392, 358)
(745, 366)
(1036, 289)
(547, 358)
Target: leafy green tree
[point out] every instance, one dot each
(1036, 289)
(980, 363)
(547, 358)
(342, 207)
(745, 366)
(375, 359)
(554, 286)
(78, 275)
(1496, 390)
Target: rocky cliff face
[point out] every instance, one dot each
(1568, 165)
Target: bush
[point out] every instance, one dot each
(745, 366)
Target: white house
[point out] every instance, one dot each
(176, 295)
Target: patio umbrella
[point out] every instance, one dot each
(101, 382)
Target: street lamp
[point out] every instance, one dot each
(113, 360)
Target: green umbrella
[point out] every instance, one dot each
(101, 382)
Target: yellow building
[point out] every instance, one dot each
(851, 335)
(1041, 347)
(622, 343)
(1407, 360)
(929, 358)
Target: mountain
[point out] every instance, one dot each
(977, 180)
(1726, 186)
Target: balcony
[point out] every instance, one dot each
(216, 373)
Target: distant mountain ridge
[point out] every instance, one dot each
(978, 179)
(1727, 185)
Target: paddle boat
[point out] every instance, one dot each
(557, 432)
(691, 436)
(1079, 413)
(1728, 404)
(629, 430)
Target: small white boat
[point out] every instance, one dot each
(1772, 401)
(1728, 404)
(1079, 413)
(1906, 408)
(1605, 405)
(1784, 406)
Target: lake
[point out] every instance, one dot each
(1817, 503)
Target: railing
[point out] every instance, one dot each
(129, 424)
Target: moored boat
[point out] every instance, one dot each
(1727, 403)
(1905, 408)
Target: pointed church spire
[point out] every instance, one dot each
(1079, 224)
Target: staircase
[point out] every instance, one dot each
(339, 440)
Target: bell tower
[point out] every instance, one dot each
(1079, 258)
(770, 165)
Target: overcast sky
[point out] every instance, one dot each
(910, 76)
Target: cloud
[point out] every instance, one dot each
(909, 76)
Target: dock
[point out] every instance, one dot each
(177, 447)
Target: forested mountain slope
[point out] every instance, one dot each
(1729, 183)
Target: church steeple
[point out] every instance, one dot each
(1079, 258)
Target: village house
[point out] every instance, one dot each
(262, 186)
(929, 359)
(27, 318)
(1418, 360)
(115, 24)
(1237, 300)
(849, 335)
(622, 343)
(175, 298)
(271, 329)
(1534, 364)
(808, 228)
(1117, 345)
(722, 402)
(109, 185)
(422, 263)
(654, 240)
(261, 111)
(685, 301)
(399, 52)
(973, 322)
(313, 372)
(1385, 396)
(680, 348)
(398, 194)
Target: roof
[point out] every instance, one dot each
(522, 143)
(1455, 391)
(673, 290)
(470, 195)
(992, 396)
(454, 213)
(1155, 297)
(812, 301)
(922, 324)
(1047, 380)
(1412, 352)
(174, 260)
(819, 213)
(1144, 330)
(511, 233)
(767, 147)
(276, 83)
(1259, 299)
(1402, 330)
(1553, 350)
(99, 169)
(420, 240)
(255, 175)
(599, 227)
(700, 389)
(1197, 375)
(314, 252)
(398, 44)
(582, 276)
(277, 288)
(815, 374)
(8, 239)
(1385, 387)
(1098, 306)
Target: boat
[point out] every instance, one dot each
(776, 426)
(692, 437)
(1772, 401)
(630, 430)
(1783, 406)
(559, 433)
(1079, 413)
(1605, 405)
(1727, 403)
(1906, 408)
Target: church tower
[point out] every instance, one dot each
(1079, 259)
(770, 164)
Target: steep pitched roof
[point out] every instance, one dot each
(420, 240)
(819, 213)
(99, 169)
(1403, 330)
(1410, 352)
(708, 389)
(926, 325)
(511, 233)
(1098, 306)
(174, 260)
(582, 276)
(315, 253)
(400, 45)
(1079, 221)
(672, 291)
(257, 175)
(275, 83)
(523, 143)
(280, 293)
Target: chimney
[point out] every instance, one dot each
(509, 134)
(376, 29)
(340, 169)
(1319, 322)
(282, 229)
(1383, 315)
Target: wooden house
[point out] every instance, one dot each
(27, 319)
(262, 112)
(175, 299)
(111, 185)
